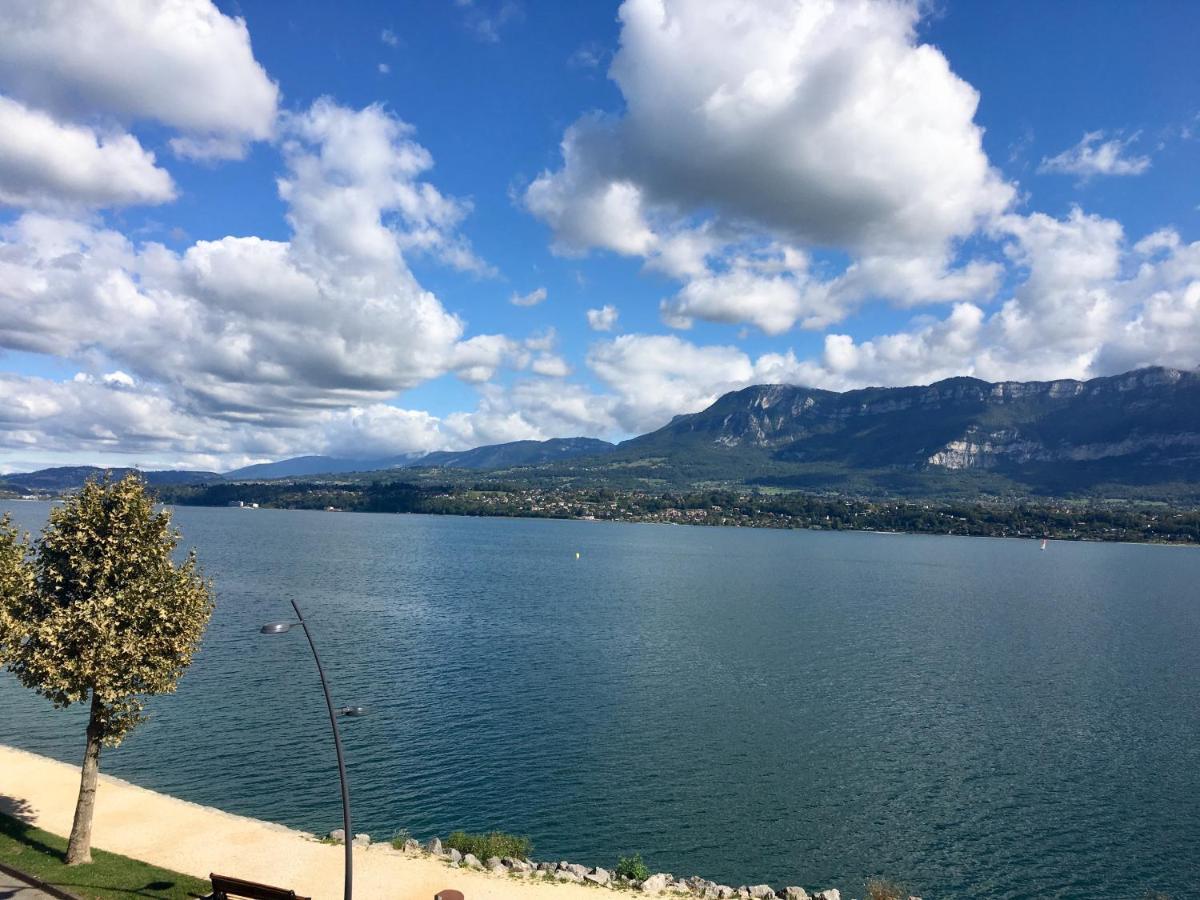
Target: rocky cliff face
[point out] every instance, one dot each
(1149, 417)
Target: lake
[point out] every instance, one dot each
(972, 717)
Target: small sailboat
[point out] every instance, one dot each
(1043, 543)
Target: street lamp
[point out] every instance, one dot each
(350, 712)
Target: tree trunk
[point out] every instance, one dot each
(79, 847)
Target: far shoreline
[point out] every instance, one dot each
(699, 525)
(1073, 539)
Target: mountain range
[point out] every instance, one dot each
(1131, 435)
(1135, 430)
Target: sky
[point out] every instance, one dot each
(238, 232)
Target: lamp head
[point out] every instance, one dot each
(275, 628)
(352, 712)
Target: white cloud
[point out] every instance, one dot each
(532, 409)
(533, 298)
(45, 163)
(603, 319)
(588, 56)
(655, 377)
(349, 166)
(252, 330)
(1095, 156)
(378, 429)
(551, 366)
(181, 63)
(389, 37)
(802, 122)
(97, 415)
(384, 69)
(1088, 305)
(771, 290)
(486, 18)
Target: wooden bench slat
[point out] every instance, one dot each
(226, 887)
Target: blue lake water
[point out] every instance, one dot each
(972, 717)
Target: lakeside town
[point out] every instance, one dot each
(1054, 520)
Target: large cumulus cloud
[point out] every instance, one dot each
(808, 123)
(182, 63)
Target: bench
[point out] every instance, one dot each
(226, 888)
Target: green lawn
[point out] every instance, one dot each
(108, 877)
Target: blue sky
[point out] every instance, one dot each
(253, 230)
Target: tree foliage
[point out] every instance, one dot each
(99, 607)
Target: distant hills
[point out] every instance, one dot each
(1135, 435)
(65, 478)
(495, 456)
(516, 453)
(300, 466)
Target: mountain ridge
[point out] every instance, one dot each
(1053, 435)
(1130, 434)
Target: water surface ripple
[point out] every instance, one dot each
(973, 717)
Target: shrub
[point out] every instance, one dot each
(494, 843)
(633, 868)
(882, 889)
(399, 838)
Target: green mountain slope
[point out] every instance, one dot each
(1127, 435)
(515, 453)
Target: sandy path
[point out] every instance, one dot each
(197, 840)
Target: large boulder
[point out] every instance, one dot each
(454, 856)
(547, 866)
(338, 834)
(762, 891)
(655, 884)
(411, 846)
(828, 894)
(471, 861)
(362, 840)
(598, 876)
(567, 875)
(492, 861)
(579, 870)
(795, 893)
(434, 846)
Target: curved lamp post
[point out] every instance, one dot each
(350, 711)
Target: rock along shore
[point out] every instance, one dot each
(563, 871)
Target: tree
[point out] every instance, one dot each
(96, 609)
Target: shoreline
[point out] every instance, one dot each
(1125, 523)
(705, 525)
(197, 840)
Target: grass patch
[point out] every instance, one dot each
(107, 877)
(882, 889)
(633, 868)
(494, 843)
(400, 838)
